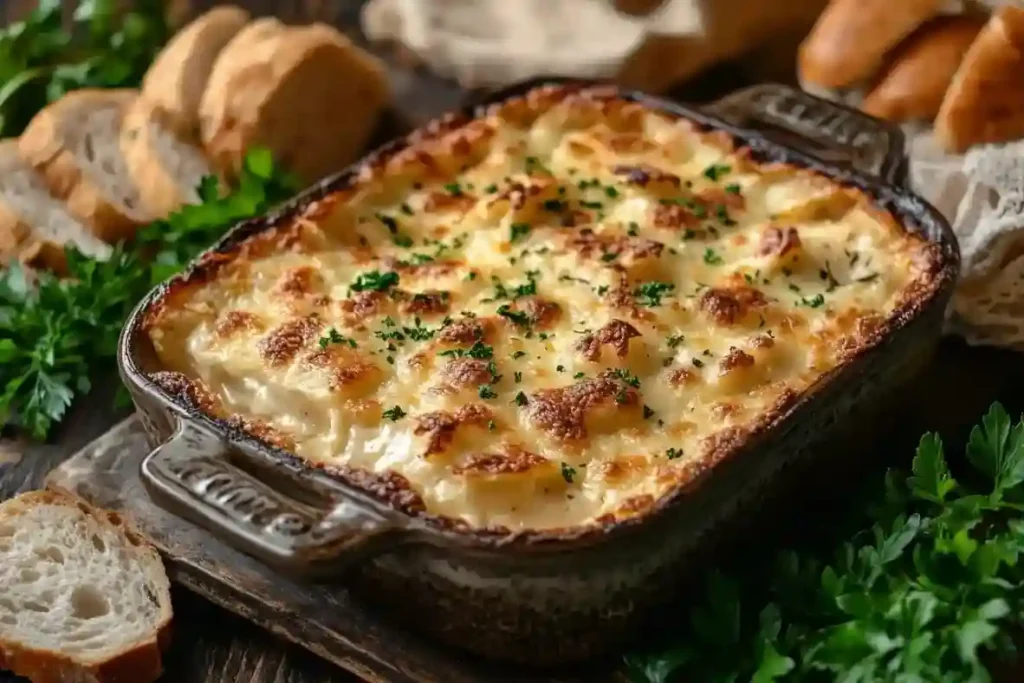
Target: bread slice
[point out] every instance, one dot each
(250, 45)
(35, 226)
(307, 93)
(177, 78)
(917, 77)
(81, 598)
(985, 101)
(166, 169)
(74, 143)
(848, 44)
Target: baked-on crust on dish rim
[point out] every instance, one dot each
(541, 323)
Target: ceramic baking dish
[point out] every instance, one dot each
(543, 597)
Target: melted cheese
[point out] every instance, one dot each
(570, 316)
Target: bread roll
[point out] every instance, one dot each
(985, 102)
(849, 42)
(921, 69)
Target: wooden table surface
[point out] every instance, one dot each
(212, 646)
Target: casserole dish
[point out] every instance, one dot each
(543, 593)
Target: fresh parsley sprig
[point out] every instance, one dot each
(931, 590)
(56, 334)
(41, 58)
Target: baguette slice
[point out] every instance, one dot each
(166, 169)
(74, 144)
(177, 78)
(916, 80)
(985, 101)
(307, 93)
(849, 43)
(34, 226)
(253, 44)
(81, 598)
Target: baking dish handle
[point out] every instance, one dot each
(307, 530)
(826, 130)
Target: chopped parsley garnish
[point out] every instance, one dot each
(591, 205)
(419, 332)
(517, 376)
(627, 377)
(579, 375)
(868, 278)
(634, 229)
(335, 337)
(648, 413)
(554, 205)
(517, 317)
(568, 472)
(491, 189)
(485, 391)
(712, 258)
(651, 293)
(716, 171)
(559, 368)
(518, 231)
(732, 188)
(675, 340)
(520, 399)
(814, 302)
(609, 256)
(375, 281)
(518, 354)
(674, 453)
(406, 209)
(453, 189)
(611, 192)
(697, 362)
(723, 215)
(403, 241)
(394, 414)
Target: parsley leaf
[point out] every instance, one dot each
(395, 413)
(651, 293)
(374, 281)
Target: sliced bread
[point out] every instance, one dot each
(177, 78)
(166, 169)
(307, 93)
(74, 143)
(81, 598)
(35, 226)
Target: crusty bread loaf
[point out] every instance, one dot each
(81, 598)
(250, 45)
(177, 78)
(921, 69)
(166, 169)
(35, 226)
(848, 44)
(985, 101)
(74, 144)
(307, 93)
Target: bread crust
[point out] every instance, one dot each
(178, 76)
(285, 91)
(139, 663)
(985, 101)
(919, 73)
(851, 38)
(43, 146)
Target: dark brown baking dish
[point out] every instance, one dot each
(553, 596)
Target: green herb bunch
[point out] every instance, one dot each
(55, 334)
(932, 591)
(42, 58)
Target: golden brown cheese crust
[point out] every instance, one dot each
(548, 317)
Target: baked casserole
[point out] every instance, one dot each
(550, 316)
